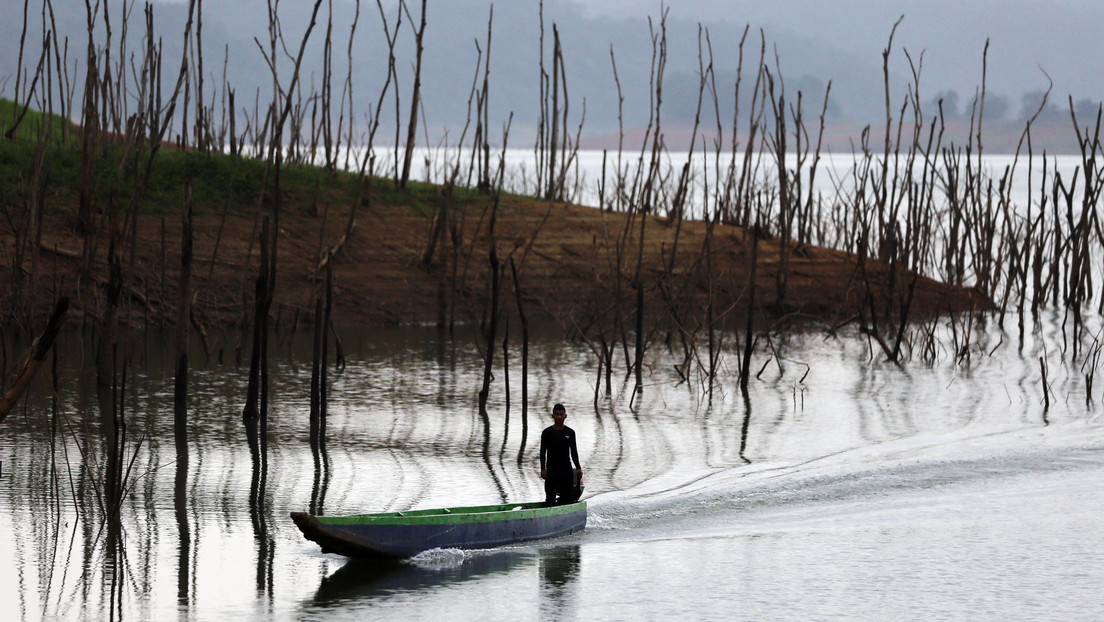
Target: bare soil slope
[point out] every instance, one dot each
(575, 264)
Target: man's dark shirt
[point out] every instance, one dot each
(557, 449)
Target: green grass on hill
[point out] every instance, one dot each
(217, 178)
(33, 123)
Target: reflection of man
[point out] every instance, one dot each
(559, 573)
(557, 452)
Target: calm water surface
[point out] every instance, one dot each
(842, 488)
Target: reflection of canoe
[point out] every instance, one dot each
(403, 534)
(365, 579)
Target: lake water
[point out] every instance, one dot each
(835, 175)
(843, 487)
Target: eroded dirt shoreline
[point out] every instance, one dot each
(566, 258)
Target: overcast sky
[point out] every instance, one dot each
(1027, 37)
(815, 41)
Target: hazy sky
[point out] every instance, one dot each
(815, 41)
(1027, 37)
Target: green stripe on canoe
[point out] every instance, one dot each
(450, 516)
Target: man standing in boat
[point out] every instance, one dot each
(562, 484)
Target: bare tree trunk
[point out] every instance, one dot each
(553, 192)
(524, 356)
(492, 323)
(180, 392)
(316, 373)
(412, 126)
(263, 298)
(36, 355)
(749, 335)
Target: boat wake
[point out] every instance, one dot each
(900, 474)
(441, 559)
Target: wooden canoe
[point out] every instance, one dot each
(405, 534)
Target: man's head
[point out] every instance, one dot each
(559, 413)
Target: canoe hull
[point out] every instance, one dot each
(397, 535)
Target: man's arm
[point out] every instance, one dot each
(543, 451)
(575, 453)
